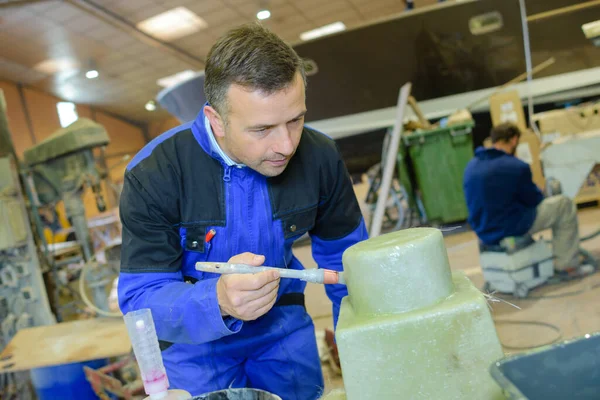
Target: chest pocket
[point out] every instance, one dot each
(299, 222)
(193, 238)
(195, 248)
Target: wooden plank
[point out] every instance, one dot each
(64, 343)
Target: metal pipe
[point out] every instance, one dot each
(26, 112)
(528, 63)
(76, 211)
(123, 24)
(6, 143)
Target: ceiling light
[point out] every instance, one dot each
(174, 79)
(323, 31)
(150, 106)
(263, 14)
(92, 71)
(56, 65)
(172, 24)
(92, 74)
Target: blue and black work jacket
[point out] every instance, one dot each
(177, 189)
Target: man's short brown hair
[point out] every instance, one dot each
(250, 56)
(505, 132)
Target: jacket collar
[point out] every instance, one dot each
(204, 135)
(489, 152)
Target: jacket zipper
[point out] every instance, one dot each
(271, 245)
(227, 174)
(228, 204)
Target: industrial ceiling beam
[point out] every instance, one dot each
(125, 25)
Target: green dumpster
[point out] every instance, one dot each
(439, 158)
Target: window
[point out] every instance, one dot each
(67, 113)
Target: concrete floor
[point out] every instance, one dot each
(566, 310)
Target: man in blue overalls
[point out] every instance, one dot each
(241, 183)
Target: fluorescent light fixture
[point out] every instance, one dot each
(92, 74)
(67, 113)
(591, 29)
(150, 106)
(55, 65)
(172, 24)
(174, 79)
(323, 31)
(263, 14)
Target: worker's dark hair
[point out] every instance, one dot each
(250, 56)
(504, 132)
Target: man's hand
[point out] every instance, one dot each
(247, 296)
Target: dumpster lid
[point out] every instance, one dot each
(422, 133)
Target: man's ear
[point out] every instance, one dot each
(516, 140)
(216, 121)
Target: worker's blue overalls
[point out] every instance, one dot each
(176, 190)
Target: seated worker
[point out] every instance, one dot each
(240, 183)
(503, 201)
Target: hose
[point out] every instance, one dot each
(87, 301)
(552, 327)
(589, 257)
(590, 236)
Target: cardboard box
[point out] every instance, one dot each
(572, 121)
(568, 121)
(507, 107)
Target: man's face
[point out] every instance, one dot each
(262, 131)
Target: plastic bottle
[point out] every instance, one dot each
(142, 333)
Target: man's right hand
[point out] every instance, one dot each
(247, 296)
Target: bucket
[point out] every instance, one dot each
(64, 382)
(238, 394)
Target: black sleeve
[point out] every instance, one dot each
(150, 234)
(338, 213)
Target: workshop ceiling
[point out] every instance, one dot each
(51, 44)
